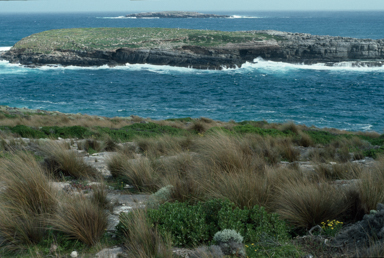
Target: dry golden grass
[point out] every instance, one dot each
(342, 171)
(141, 174)
(221, 151)
(371, 186)
(116, 164)
(27, 200)
(305, 204)
(80, 218)
(164, 145)
(180, 172)
(142, 240)
(63, 162)
(99, 196)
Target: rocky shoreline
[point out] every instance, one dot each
(290, 48)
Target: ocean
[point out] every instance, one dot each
(342, 97)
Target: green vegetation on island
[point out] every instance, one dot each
(88, 39)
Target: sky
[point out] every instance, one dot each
(128, 6)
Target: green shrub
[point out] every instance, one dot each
(67, 132)
(190, 225)
(129, 132)
(243, 129)
(186, 223)
(27, 132)
(211, 209)
(254, 224)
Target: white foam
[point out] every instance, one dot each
(243, 17)
(259, 63)
(118, 17)
(4, 49)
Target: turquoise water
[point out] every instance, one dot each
(342, 97)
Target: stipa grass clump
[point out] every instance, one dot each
(82, 219)
(371, 186)
(27, 200)
(306, 204)
(142, 240)
(64, 162)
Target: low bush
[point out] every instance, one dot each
(191, 225)
(230, 242)
(186, 223)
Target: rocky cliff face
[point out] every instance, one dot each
(293, 48)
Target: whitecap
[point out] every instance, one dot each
(242, 17)
(260, 63)
(118, 17)
(2, 49)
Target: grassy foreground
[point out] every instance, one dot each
(113, 38)
(219, 189)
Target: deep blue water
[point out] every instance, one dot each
(343, 97)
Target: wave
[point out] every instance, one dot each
(258, 64)
(243, 17)
(123, 17)
(118, 17)
(4, 49)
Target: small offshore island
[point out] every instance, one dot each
(175, 14)
(200, 49)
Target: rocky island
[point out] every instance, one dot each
(175, 14)
(201, 49)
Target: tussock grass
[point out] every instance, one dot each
(342, 171)
(99, 196)
(163, 145)
(65, 120)
(371, 186)
(141, 174)
(242, 187)
(90, 144)
(304, 140)
(180, 172)
(142, 240)
(80, 218)
(305, 204)
(63, 162)
(116, 164)
(109, 144)
(224, 152)
(26, 200)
